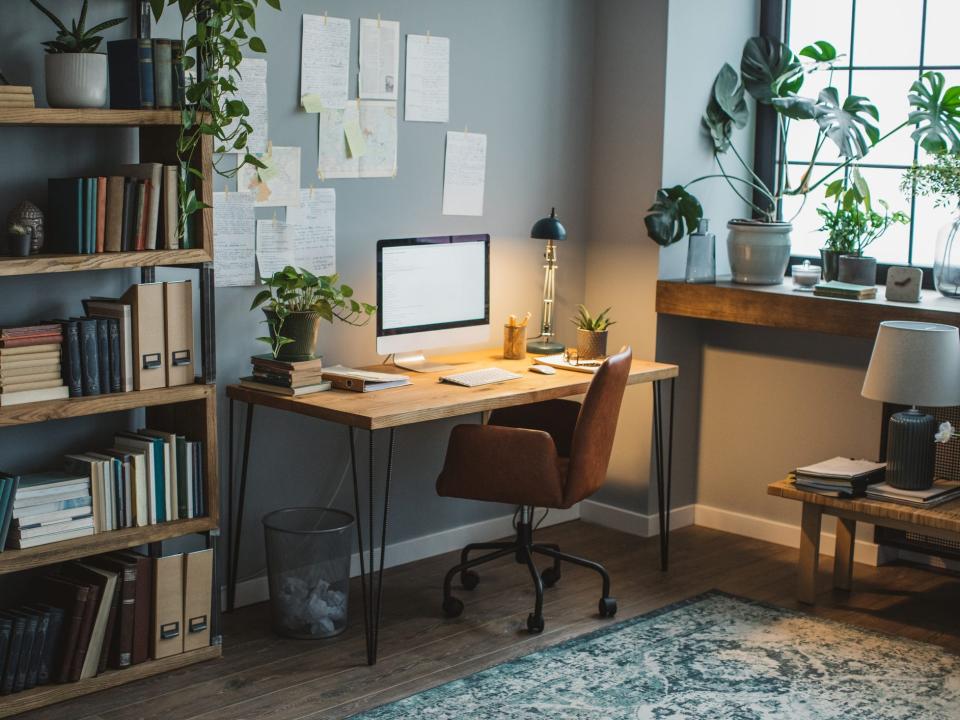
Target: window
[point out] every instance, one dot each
(884, 46)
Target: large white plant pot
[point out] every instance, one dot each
(76, 80)
(759, 252)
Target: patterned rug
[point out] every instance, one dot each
(714, 656)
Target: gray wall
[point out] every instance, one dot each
(521, 72)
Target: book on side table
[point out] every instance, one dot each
(839, 476)
(941, 492)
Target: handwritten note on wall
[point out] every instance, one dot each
(233, 237)
(324, 62)
(464, 173)
(427, 90)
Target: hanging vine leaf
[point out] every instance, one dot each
(769, 69)
(851, 125)
(936, 114)
(674, 208)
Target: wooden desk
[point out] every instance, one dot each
(423, 400)
(942, 521)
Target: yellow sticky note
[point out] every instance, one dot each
(269, 172)
(355, 141)
(311, 103)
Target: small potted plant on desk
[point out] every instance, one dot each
(853, 224)
(75, 73)
(295, 301)
(592, 333)
(940, 180)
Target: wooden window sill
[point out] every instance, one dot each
(780, 306)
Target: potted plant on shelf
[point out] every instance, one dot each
(771, 74)
(295, 301)
(75, 73)
(940, 179)
(592, 333)
(18, 240)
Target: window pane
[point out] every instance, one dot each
(807, 24)
(943, 19)
(803, 133)
(888, 90)
(893, 246)
(806, 238)
(927, 221)
(887, 32)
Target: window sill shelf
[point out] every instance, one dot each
(779, 306)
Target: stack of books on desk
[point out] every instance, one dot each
(942, 491)
(839, 476)
(294, 379)
(30, 364)
(16, 96)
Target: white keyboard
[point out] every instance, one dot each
(483, 376)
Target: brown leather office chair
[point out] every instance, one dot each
(550, 454)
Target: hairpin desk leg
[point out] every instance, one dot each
(236, 518)
(663, 451)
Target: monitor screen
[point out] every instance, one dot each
(435, 283)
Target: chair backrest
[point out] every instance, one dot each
(596, 427)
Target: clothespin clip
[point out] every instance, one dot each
(226, 189)
(428, 37)
(466, 130)
(394, 171)
(275, 223)
(311, 191)
(321, 175)
(378, 21)
(325, 13)
(269, 148)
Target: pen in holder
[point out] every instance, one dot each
(515, 338)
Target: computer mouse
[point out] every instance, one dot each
(543, 369)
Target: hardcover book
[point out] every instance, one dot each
(131, 74)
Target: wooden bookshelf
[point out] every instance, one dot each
(55, 117)
(48, 694)
(39, 264)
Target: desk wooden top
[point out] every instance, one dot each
(428, 399)
(944, 518)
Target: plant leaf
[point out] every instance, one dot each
(936, 114)
(850, 126)
(795, 107)
(769, 69)
(726, 108)
(673, 209)
(821, 51)
(56, 21)
(257, 45)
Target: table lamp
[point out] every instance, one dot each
(551, 230)
(915, 364)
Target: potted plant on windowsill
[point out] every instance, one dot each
(592, 333)
(771, 74)
(295, 301)
(75, 74)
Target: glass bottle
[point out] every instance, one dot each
(702, 255)
(946, 260)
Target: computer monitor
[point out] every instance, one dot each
(432, 292)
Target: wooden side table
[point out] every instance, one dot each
(942, 521)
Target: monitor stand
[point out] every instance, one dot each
(417, 362)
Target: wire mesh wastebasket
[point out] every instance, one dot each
(308, 566)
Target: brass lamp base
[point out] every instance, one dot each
(544, 347)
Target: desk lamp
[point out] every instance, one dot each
(914, 364)
(551, 230)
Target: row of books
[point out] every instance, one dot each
(30, 367)
(135, 209)
(109, 611)
(16, 96)
(146, 73)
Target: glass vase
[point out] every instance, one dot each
(946, 260)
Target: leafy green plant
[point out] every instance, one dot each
(939, 179)
(76, 38)
(16, 229)
(773, 75)
(852, 223)
(585, 321)
(295, 291)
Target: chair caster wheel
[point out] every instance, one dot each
(608, 607)
(550, 577)
(452, 607)
(469, 579)
(534, 624)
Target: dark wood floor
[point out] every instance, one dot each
(263, 676)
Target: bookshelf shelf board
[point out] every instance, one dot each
(17, 560)
(98, 404)
(47, 694)
(55, 117)
(39, 264)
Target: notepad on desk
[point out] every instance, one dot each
(344, 378)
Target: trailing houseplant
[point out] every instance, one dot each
(295, 301)
(75, 74)
(591, 333)
(773, 76)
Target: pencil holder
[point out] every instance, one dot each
(514, 342)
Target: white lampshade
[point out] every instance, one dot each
(915, 363)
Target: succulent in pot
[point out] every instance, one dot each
(18, 240)
(592, 333)
(75, 73)
(295, 301)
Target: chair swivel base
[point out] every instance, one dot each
(523, 549)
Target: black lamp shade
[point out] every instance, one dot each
(549, 228)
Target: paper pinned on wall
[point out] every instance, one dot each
(379, 59)
(324, 62)
(377, 120)
(315, 231)
(427, 87)
(274, 247)
(252, 89)
(234, 226)
(464, 173)
(279, 184)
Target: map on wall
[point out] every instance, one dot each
(359, 141)
(278, 184)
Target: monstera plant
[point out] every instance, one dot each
(774, 76)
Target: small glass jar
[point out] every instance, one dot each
(805, 277)
(946, 261)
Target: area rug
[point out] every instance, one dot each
(713, 656)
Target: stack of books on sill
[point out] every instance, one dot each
(293, 379)
(839, 477)
(49, 507)
(941, 492)
(16, 96)
(30, 364)
(845, 291)
(108, 611)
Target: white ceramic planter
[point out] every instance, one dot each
(76, 80)
(759, 252)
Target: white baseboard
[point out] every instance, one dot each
(255, 589)
(773, 531)
(630, 521)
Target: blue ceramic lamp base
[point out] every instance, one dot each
(910, 450)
